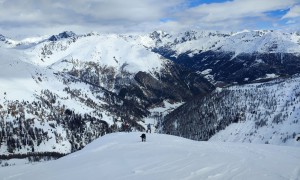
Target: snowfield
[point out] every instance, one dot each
(124, 156)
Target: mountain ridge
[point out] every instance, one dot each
(164, 157)
(241, 58)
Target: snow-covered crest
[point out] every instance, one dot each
(123, 156)
(107, 50)
(239, 42)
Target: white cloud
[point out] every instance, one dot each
(121, 16)
(49, 13)
(294, 12)
(237, 9)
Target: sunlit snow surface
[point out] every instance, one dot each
(123, 156)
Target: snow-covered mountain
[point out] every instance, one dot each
(61, 92)
(266, 113)
(260, 41)
(241, 57)
(123, 156)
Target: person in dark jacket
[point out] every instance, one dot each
(143, 136)
(148, 128)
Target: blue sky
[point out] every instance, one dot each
(35, 17)
(193, 3)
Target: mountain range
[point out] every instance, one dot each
(243, 57)
(60, 92)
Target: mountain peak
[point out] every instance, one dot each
(2, 38)
(158, 34)
(62, 35)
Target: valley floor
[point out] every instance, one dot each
(123, 156)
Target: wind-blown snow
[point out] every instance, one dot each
(123, 156)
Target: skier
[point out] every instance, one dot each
(148, 128)
(143, 136)
(298, 138)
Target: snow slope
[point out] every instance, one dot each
(107, 50)
(123, 156)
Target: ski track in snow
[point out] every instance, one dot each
(122, 156)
